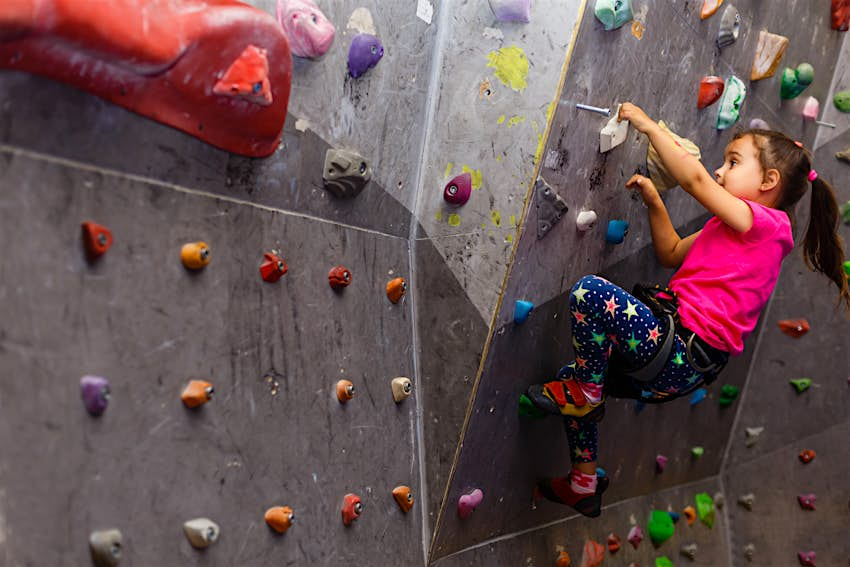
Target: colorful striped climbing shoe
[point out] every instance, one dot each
(563, 397)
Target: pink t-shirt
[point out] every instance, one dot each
(727, 277)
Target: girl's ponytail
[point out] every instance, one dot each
(822, 247)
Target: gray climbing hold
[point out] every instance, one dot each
(550, 207)
(105, 546)
(752, 434)
(747, 500)
(346, 173)
(201, 532)
(730, 27)
(690, 551)
(749, 552)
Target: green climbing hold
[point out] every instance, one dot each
(613, 13)
(728, 393)
(847, 268)
(698, 452)
(845, 212)
(795, 81)
(730, 104)
(660, 527)
(528, 409)
(801, 384)
(842, 101)
(663, 561)
(705, 509)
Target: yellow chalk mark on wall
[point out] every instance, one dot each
(448, 171)
(496, 218)
(511, 66)
(498, 158)
(477, 177)
(439, 215)
(501, 119)
(540, 141)
(509, 238)
(515, 120)
(454, 219)
(513, 220)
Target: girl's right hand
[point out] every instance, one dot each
(636, 116)
(646, 187)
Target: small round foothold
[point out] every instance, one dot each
(95, 392)
(747, 501)
(563, 559)
(396, 289)
(96, 239)
(339, 277)
(689, 551)
(352, 507)
(458, 190)
(280, 518)
(403, 497)
(197, 393)
(344, 391)
(697, 451)
(613, 543)
(468, 502)
(273, 267)
(105, 547)
(586, 220)
(522, 309)
(402, 388)
(749, 552)
(807, 558)
(617, 231)
(807, 501)
(807, 456)
(201, 532)
(195, 255)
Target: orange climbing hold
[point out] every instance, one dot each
(613, 543)
(563, 559)
(197, 393)
(794, 327)
(807, 456)
(351, 508)
(96, 239)
(594, 553)
(280, 518)
(395, 289)
(690, 515)
(709, 7)
(403, 497)
(769, 51)
(344, 391)
(273, 267)
(195, 255)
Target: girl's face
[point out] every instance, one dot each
(741, 173)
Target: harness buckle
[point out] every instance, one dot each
(691, 345)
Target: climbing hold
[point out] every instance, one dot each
(795, 81)
(309, 32)
(352, 507)
(698, 396)
(719, 499)
(403, 497)
(617, 231)
(339, 277)
(593, 554)
(807, 501)
(344, 391)
(528, 409)
(728, 393)
(613, 133)
(752, 434)
(759, 124)
(365, 52)
(105, 547)
(697, 451)
(511, 10)
(614, 543)
(845, 212)
(613, 13)
(689, 551)
(710, 89)
(730, 27)
(563, 559)
(395, 289)
(705, 509)
(95, 392)
(674, 516)
(280, 518)
(635, 536)
(844, 156)
(201, 532)
(709, 7)
(841, 100)
(690, 514)
(801, 384)
(458, 189)
(550, 207)
(747, 500)
(586, 220)
(660, 527)
(197, 393)
(522, 309)
(769, 51)
(272, 268)
(840, 19)
(660, 463)
(663, 561)
(807, 456)
(794, 327)
(811, 108)
(247, 77)
(195, 255)
(346, 173)
(807, 558)
(402, 388)
(658, 172)
(749, 552)
(468, 502)
(731, 102)
(96, 240)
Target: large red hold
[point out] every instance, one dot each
(710, 89)
(841, 15)
(219, 70)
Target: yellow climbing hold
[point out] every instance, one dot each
(511, 66)
(448, 171)
(477, 177)
(515, 120)
(496, 218)
(501, 119)
(454, 219)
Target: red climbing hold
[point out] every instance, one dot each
(613, 543)
(841, 15)
(351, 508)
(710, 89)
(593, 555)
(807, 501)
(563, 559)
(794, 327)
(807, 456)
(339, 277)
(97, 239)
(458, 190)
(273, 267)
(807, 558)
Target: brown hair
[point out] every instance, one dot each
(822, 246)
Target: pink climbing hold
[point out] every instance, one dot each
(457, 190)
(309, 32)
(807, 501)
(811, 110)
(807, 558)
(468, 502)
(635, 536)
(660, 463)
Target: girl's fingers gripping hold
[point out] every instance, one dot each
(637, 117)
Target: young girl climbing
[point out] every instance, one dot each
(666, 343)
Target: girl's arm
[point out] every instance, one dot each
(670, 249)
(690, 173)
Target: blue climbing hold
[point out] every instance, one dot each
(698, 396)
(639, 406)
(674, 516)
(617, 231)
(600, 473)
(522, 310)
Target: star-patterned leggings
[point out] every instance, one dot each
(605, 317)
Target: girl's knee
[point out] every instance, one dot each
(586, 282)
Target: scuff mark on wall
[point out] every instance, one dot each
(511, 66)
(361, 20)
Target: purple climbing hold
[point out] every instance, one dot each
(635, 536)
(365, 52)
(660, 463)
(807, 501)
(807, 558)
(95, 391)
(457, 190)
(511, 10)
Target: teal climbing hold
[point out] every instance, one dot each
(795, 81)
(705, 509)
(698, 396)
(731, 102)
(801, 384)
(841, 101)
(613, 13)
(663, 561)
(522, 310)
(528, 409)
(660, 527)
(617, 231)
(728, 393)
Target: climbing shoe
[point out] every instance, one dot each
(551, 398)
(558, 490)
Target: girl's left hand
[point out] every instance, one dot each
(637, 117)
